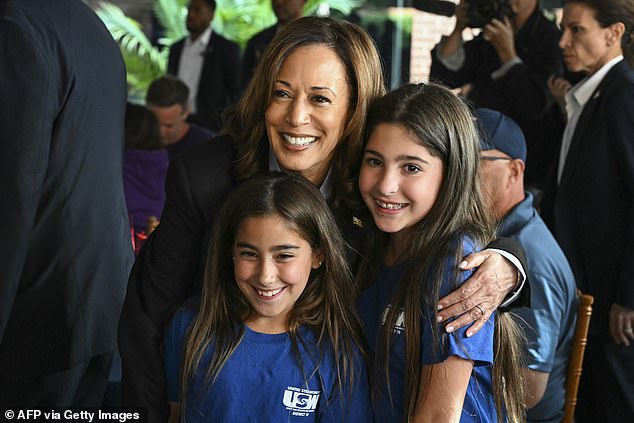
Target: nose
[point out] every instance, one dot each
(298, 112)
(268, 273)
(388, 183)
(564, 40)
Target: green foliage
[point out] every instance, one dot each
(144, 62)
(237, 20)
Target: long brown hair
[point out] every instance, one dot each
(442, 123)
(323, 307)
(244, 121)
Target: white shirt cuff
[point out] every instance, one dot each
(503, 70)
(510, 257)
(454, 61)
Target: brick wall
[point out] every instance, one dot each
(426, 32)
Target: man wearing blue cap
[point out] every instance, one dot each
(549, 323)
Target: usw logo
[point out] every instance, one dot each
(297, 399)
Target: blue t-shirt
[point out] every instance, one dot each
(262, 381)
(373, 304)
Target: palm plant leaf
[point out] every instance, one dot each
(143, 61)
(171, 14)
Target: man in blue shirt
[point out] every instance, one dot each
(549, 323)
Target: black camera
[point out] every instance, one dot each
(479, 12)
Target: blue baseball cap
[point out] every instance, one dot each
(500, 132)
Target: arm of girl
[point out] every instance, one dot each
(175, 412)
(443, 389)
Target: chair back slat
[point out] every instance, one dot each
(578, 347)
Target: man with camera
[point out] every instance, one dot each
(506, 68)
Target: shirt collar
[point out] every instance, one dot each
(583, 90)
(326, 186)
(517, 216)
(203, 40)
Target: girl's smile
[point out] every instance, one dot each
(399, 179)
(272, 265)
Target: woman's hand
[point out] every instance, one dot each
(481, 294)
(558, 88)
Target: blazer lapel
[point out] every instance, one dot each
(578, 138)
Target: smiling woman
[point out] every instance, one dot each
(308, 111)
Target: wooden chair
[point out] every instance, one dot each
(577, 350)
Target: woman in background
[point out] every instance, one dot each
(594, 200)
(144, 171)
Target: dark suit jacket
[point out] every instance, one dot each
(594, 206)
(256, 47)
(522, 93)
(219, 83)
(65, 249)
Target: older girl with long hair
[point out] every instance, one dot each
(419, 180)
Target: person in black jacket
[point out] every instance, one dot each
(65, 248)
(208, 63)
(506, 68)
(285, 11)
(594, 198)
(305, 113)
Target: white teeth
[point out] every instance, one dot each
(298, 140)
(269, 293)
(391, 206)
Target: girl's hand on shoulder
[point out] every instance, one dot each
(476, 299)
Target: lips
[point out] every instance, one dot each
(269, 294)
(298, 141)
(391, 206)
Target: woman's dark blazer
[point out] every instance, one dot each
(594, 206)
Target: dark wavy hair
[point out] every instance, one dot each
(324, 306)
(444, 124)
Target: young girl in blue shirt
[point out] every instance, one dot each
(419, 181)
(275, 338)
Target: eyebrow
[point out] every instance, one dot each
(314, 88)
(275, 248)
(401, 158)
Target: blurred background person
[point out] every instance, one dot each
(285, 11)
(549, 322)
(506, 68)
(144, 171)
(65, 249)
(594, 197)
(208, 64)
(167, 98)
